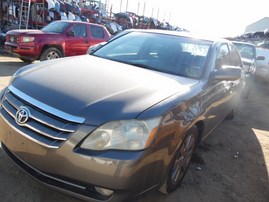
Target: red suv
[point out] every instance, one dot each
(57, 39)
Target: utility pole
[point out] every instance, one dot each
(107, 6)
(143, 15)
(144, 8)
(99, 13)
(138, 8)
(127, 6)
(120, 4)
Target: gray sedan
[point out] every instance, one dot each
(123, 120)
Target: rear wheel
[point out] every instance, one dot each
(182, 160)
(50, 54)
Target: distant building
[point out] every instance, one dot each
(260, 25)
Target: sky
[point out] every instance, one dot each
(226, 18)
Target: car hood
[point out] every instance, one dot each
(97, 89)
(29, 32)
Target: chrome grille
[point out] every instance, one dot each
(43, 127)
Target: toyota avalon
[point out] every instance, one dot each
(125, 119)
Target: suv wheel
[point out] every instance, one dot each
(50, 54)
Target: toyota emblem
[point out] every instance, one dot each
(22, 115)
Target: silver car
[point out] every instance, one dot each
(125, 119)
(262, 70)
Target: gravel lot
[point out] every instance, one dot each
(232, 164)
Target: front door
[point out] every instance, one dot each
(79, 43)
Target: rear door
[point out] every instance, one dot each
(79, 43)
(97, 34)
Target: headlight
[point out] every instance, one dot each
(27, 39)
(2, 92)
(122, 135)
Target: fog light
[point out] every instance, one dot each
(103, 191)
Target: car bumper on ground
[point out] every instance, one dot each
(21, 51)
(95, 176)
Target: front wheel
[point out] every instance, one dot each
(50, 54)
(182, 160)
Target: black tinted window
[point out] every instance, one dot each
(176, 55)
(79, 30)
(56, 27)
(223, 56)
(97, 32)
(235, 57)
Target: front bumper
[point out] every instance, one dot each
(76, 189)
(77, 172)
(24, 51)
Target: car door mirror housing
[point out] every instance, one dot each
(227, 73)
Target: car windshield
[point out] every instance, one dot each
(246, 50)
(56, 27)
(171, 54)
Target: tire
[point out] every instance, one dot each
(27, 60)
(182, 160)
(50, 53)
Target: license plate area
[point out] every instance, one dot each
(8, 49)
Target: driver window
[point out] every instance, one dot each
(223, 56)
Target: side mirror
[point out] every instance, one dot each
(260, 58)
(227, 73)
(70, 33)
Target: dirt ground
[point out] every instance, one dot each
(232, 164)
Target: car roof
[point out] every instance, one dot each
(79, 22)
(179, 33)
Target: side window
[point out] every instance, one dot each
(80, 30)
(235, 56)
(223, 56)
(97, 32)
